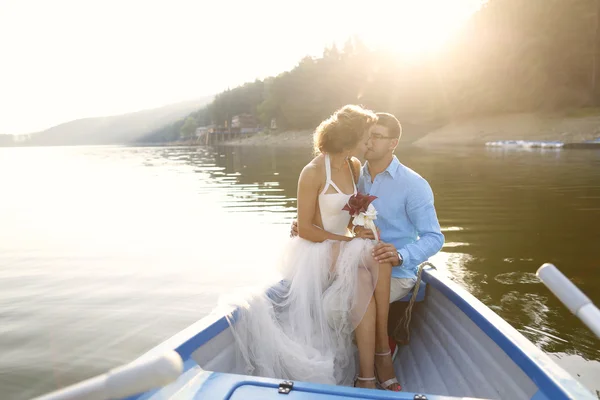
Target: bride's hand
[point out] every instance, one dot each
(363, 233)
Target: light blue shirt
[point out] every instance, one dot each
(406, 216)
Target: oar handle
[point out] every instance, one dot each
(124, 381)
(562, 287)
(570, 295)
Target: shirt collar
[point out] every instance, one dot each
(392, 169)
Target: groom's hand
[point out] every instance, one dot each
(386, 252)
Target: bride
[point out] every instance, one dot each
(303, 328)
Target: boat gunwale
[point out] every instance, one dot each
(188, 340)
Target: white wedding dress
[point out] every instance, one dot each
(302, 328)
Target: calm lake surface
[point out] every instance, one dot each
(107, 251)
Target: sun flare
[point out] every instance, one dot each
(263, 39)
(416, 27)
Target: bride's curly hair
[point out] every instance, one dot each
(343, 129)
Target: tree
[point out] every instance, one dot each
(596, 57)
(189, 127)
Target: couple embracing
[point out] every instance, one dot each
(338, 280)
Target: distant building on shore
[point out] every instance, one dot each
(20, 139)
(244, 123)
(241, 125)
(204, 130)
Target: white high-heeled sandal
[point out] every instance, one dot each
(385, 385)
(358, 378)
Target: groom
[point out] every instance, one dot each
(410, 231)
(406, 217)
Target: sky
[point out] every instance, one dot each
(67, 59)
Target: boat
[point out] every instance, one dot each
(545, 144)
(529, 144)
(459, 348)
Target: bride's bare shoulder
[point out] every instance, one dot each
(315, 165)
(313, 173)
(314, 170)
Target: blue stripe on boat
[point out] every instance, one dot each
(231, 386)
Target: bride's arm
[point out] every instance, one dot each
(308, 193)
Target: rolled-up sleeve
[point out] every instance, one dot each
(421, 212)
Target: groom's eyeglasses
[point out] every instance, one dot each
(379, 136)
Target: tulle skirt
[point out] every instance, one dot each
(302, 327)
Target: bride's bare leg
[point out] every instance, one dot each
(384, 364)
(365, 341)
(382, 302)
(365, 323)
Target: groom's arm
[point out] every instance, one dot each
(421, 212)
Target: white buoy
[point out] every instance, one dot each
(573, 298)
(124, 381)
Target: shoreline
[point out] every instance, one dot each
(296, 139)
(571, 130)
(516, 127)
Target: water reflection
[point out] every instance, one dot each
(511, 278)
(249, 182)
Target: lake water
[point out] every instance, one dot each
(107, 251)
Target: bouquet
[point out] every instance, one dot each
(359, 206)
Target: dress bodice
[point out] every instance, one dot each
(330, 204)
